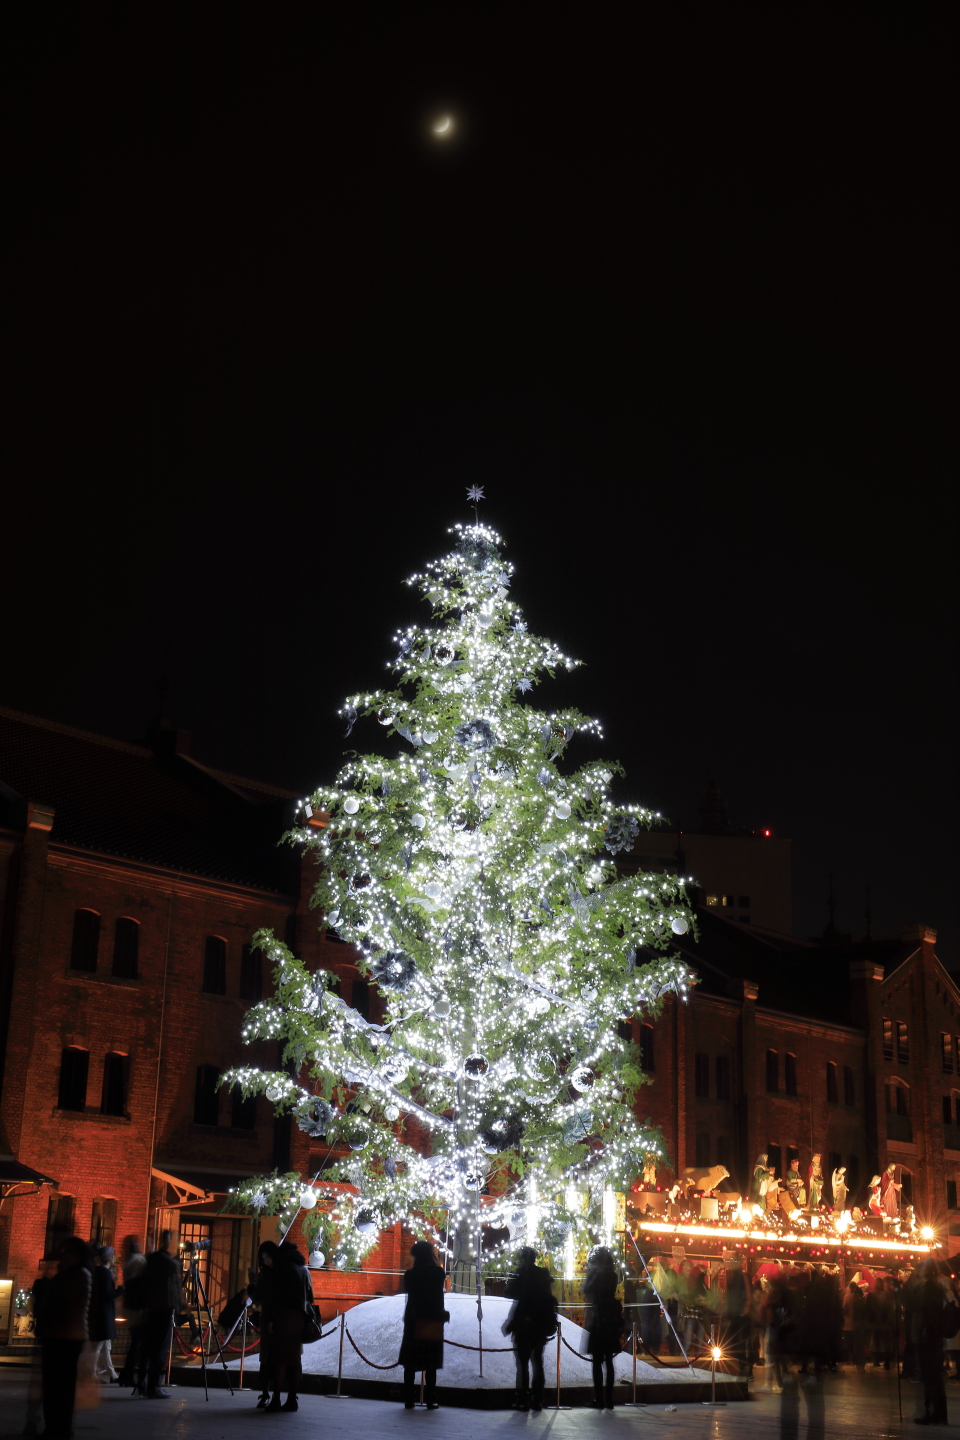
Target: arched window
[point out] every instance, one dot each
(790, 1073)
(703, 1148)
(833, 1092)
(774, 1159)
(103, 1221)
(646, 1049)
(74, 1068)
(723, 1150)
(215, 965)
(701, 1078)
(86, 941)
(60, 1217)
(206, 1103)
(723, 1077)
(126, 946)
(251, 974)
(113, 1099)
(773, 1071)
(849, 1089)
(906, 1194)
(946, 1053)
(243, 1111)
(898, 1111)
(903, 1043)
(360, 997)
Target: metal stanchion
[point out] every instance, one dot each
(339, 1395)
(243, 1346)
(715, 1353)
(170, 1350)
(423, 1389)
(558, 1406)
(634, 1403)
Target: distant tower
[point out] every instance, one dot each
(713, 810)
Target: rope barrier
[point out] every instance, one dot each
(372, 1363)
(576, 1352)
(195, 1349)
(487, 1349)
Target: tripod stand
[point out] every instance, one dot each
(202, 1303)
(663, 1307)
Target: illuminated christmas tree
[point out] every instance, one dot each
(473, 873)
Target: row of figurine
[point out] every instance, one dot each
(806, 1193)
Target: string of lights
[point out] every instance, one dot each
(473, 873)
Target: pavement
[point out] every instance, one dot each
(858, 1407)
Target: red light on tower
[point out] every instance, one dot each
(766, 834)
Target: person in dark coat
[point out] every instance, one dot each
(261, 1293)
(423, 1322)
(134, 1262)
(531, 1323)
(291, 1300)
(605, 1322)
(62, 1327)
(161, 1297)
(928, 1345)
(97, 1362)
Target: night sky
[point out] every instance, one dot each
(677, 292)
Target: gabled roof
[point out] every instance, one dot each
(116, 798)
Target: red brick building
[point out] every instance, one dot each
(131, 881)
(790, 1047)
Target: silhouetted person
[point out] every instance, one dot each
(928, 1345)
(291, 1299)
(423, 1321)
(102, 1320)
(854, 1318)
(605, 1322)
(261, 1293)
(161, 1297)
(62, 1326)
(132, 1266)
(532, 1321)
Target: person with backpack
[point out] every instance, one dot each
(531, 1323)
(605, 1323)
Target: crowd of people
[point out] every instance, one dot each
(804, 1316)
(795, 1316)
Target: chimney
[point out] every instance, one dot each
(918, 934)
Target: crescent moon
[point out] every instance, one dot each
(443, 127)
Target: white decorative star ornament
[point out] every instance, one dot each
(475, 492)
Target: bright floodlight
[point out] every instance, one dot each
(717, 1353)
(927, 1232)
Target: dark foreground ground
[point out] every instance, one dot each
(848, 1404)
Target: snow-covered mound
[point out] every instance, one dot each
(376, 1328)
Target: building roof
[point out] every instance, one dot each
(146, 803)
(796, 977)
